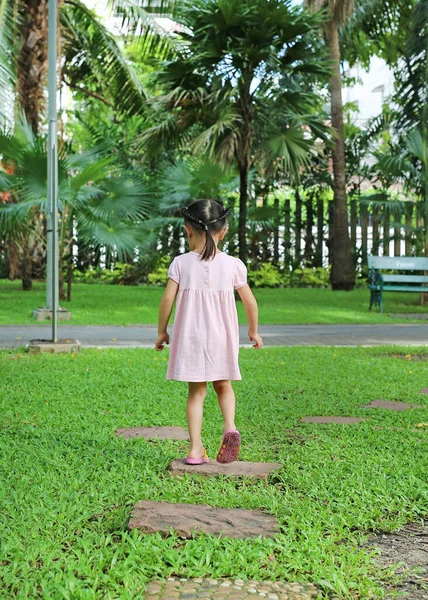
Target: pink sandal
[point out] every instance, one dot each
(198, 461)
(230, 446)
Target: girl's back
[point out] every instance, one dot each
(205, 341)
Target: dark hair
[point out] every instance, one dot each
(209, 216)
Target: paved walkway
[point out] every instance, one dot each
(143, 336)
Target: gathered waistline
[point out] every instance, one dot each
(210, 290)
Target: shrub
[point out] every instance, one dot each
(318, 277)
(160, 275)
(122, 274)
(267, 276)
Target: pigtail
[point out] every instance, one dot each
(209, 248)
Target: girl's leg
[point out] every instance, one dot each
(226, 400)
(194, 412)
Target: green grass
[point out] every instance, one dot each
(67, 484)
(120, 305)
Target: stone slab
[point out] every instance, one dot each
(41, 314)
(152, 433)
(63, 345)
(235, 469)
(175, 588)
(424, 391)
(190, 519)
(388, 405)
(331, 419)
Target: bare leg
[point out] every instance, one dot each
(194, 412)
(226, 400)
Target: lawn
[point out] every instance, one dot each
(67, 484)
(124, 305)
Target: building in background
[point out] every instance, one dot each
(371, 89)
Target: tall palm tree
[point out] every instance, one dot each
(94, 61)
(241, 62)
(342, 269)
(91, 63)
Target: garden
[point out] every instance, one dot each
(308, 121)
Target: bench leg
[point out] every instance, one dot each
(376, 299)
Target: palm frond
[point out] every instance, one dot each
(91, 51)
(139, 21)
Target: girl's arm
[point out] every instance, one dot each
(252, 312)
(165, 310)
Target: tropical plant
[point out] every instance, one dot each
(412, 100)
(101, 205)
(241, 87)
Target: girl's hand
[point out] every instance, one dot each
(256, 338)
(163, 338)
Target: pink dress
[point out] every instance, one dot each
(205, 339)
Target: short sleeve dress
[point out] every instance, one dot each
(205, 337)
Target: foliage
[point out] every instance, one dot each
(377, 28)
(308, 277)
(121, 274)
(160, 275)
(241, 88)
(100, 202)
(73, 482)
(266, 276)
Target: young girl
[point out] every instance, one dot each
(205, 342)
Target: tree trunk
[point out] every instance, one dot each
(13, 261)
(32, 62)
(26, 267)
(242, 221)
(298, 228)
(342, 270)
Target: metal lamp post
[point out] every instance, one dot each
(52, 282)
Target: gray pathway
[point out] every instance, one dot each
(143, 336)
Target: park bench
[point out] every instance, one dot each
(416, 281)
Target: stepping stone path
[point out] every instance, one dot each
(424, 391)
(151, 433)
(388, 405)
(336, 420)
(235, 469)
(228, 589)
(188, 519)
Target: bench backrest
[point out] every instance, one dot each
(399, 263)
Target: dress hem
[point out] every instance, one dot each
(204, 380)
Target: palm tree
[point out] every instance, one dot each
(91, 64)
(99, 202)
(94, 63)
(242, 63)
(342, 269)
